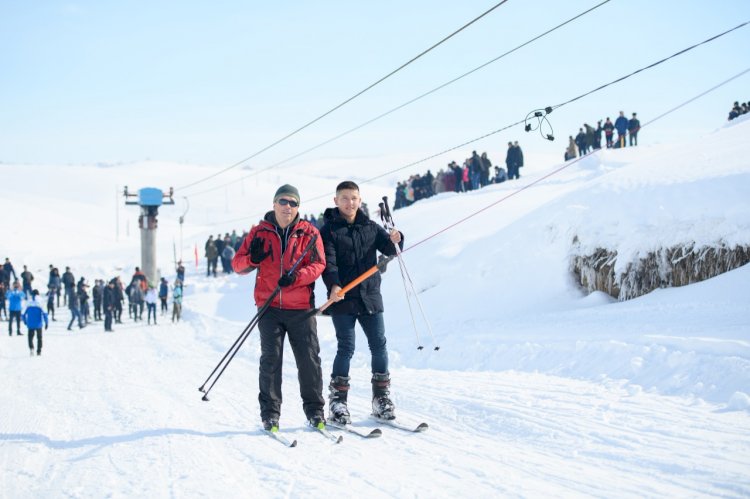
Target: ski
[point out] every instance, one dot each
(377, 432)
(421, 427)
(274, 433)
(321, 428)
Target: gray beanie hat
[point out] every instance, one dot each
(286, 190)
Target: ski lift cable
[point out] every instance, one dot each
(287, 136)
(405, 104)
(546, 111)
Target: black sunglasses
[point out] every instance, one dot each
(290, 202)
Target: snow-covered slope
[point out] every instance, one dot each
(560, 393)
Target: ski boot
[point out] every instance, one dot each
(382, 406)
(337, 392)
(317, 420)
(270, 424)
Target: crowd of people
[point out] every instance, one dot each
(86, 304)
(474, 173)
(738, 110)
(224, 249)
(590, 138)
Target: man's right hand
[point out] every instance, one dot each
(335, 293)
(257, 251)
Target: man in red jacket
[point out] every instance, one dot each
(272, 247)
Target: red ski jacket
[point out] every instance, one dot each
(299, 295)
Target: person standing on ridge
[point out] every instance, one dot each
(634, 125)
(272, 247)
(351, 243)
(621, 125)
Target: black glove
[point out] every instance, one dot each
(257, 252)
(287, 279)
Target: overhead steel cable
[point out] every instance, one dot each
(617, 80)
(651, 65)
(369, 87)
(601, 87)
(401, 106)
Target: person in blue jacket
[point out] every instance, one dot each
(163, 294)
(34, 317)
(16, 297)
(621, 125)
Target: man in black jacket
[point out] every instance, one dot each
(69, 281)
(351, 241)
(109, 300)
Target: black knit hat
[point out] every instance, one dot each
(286, 190)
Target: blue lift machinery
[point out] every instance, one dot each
(149, 199)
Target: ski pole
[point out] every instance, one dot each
(242, 337)
(384, 218)
(402, 265)
(251, 325)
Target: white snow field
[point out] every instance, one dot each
(537, 390)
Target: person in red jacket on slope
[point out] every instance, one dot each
(272, 247)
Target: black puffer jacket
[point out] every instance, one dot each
(350, 251)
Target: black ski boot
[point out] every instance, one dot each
(337, 392)
(382, 406)
(271, 423)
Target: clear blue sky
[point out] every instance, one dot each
(213, 82)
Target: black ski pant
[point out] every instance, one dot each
(301, 327)
(108, 319)
(39, 340)
(17, 315)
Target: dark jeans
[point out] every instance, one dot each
(17, 315)
(301, 327)
(75, 313)
(31, 339)
(108, 319)
(374, 329)
(633, 138)
(211, 266)
(512, 173)
(151, 310)
(164, 306)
